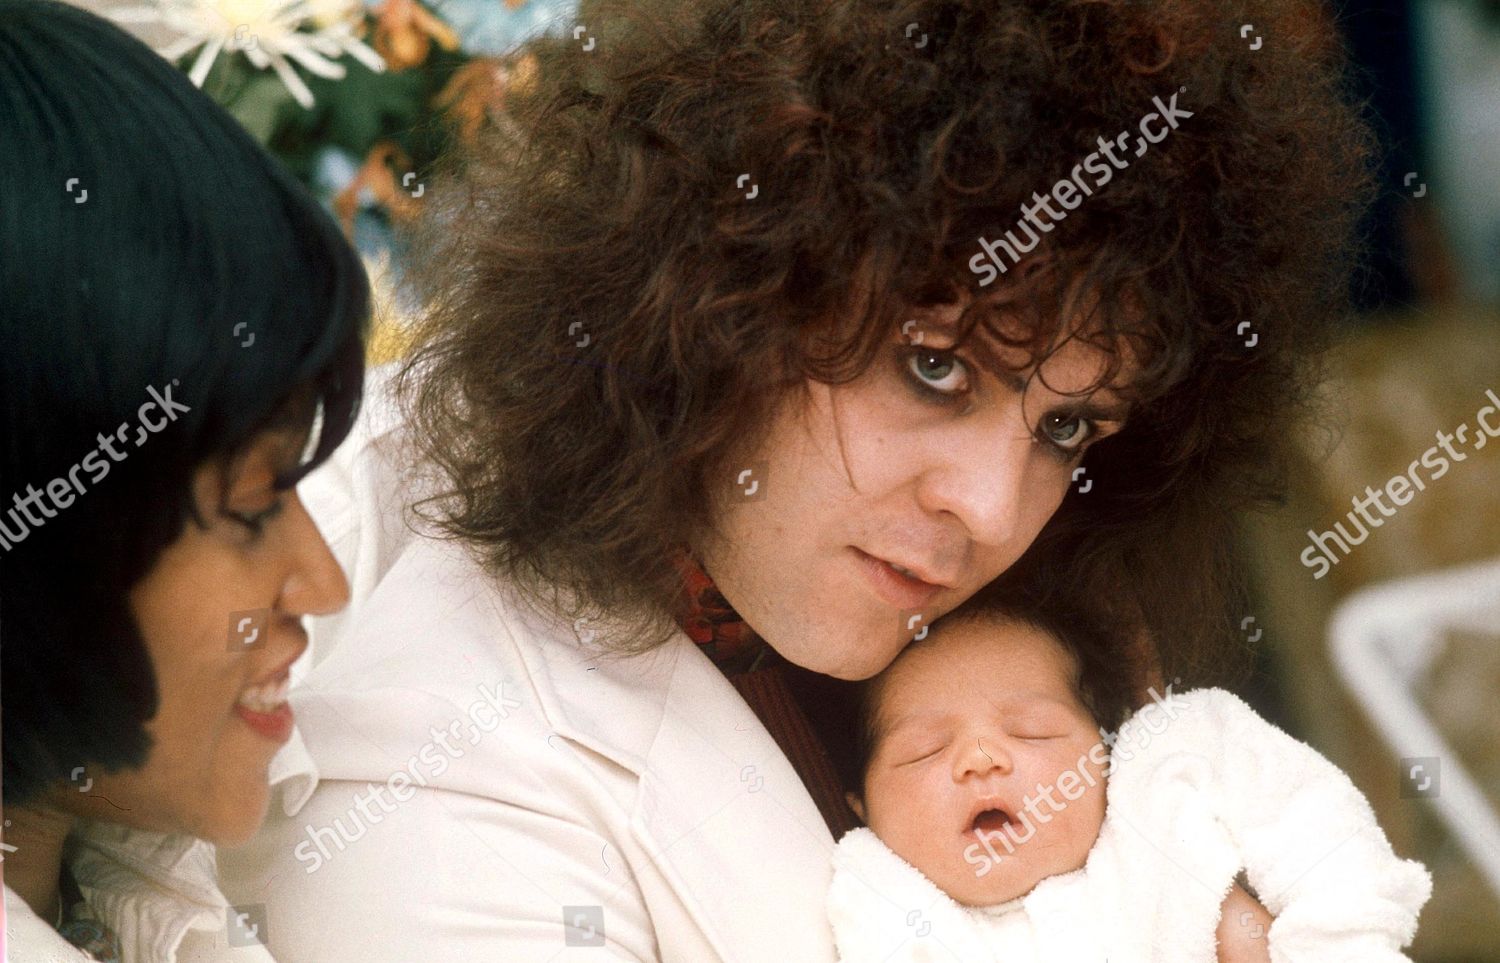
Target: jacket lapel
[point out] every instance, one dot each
(719, 807)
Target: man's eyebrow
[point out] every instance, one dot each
(1112, 408)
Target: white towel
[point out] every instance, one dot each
(1199, 788)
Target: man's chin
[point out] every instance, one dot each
(854, 664)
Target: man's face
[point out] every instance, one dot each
(939, 471)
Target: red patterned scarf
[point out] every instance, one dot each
(757, 674)
(709, 619)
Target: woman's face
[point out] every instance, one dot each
(221, 680)
(940, 472)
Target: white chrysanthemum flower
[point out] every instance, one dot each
(270, 33)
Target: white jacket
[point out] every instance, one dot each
(1212, 790)
(539, 785)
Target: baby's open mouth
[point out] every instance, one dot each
(990, 821)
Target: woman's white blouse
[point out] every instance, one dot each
(157, 891)
(490, 787)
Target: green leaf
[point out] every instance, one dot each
(260, 105)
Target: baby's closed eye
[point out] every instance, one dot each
(1038, 736)
(921, 755)
(1035, 730)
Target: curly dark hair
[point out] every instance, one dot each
(605, 206)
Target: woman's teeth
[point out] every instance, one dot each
(265, 698)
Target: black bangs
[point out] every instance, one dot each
(338, 391)
(166, 288)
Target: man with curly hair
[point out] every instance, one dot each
(707, 394)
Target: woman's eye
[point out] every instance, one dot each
(938, 372)
(256, 521)
(1067, 432)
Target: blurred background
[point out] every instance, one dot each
(1390, 662)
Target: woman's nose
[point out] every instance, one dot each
(316, 584)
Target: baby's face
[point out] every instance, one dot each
(976, 730)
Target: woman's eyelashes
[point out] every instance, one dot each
(938, 376)
(255, 522)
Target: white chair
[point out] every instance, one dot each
(1384, 639)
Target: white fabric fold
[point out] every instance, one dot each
(1199, 788)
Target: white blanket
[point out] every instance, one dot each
(1208, 788)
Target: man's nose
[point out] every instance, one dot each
(985, 480)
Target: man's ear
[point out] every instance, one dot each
(856, 804)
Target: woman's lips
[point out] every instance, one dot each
(264, 708)
(901, 591)
(275, 725)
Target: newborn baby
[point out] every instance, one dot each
(1001, 827)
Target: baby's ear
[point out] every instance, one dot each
(856, 804)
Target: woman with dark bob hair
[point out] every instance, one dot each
(759, 335)
(181, 340)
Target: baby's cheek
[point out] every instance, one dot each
(1081, 788)
(895, 800)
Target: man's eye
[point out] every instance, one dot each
(1067, 432)
(937, 372)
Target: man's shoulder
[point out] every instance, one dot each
(441, 642)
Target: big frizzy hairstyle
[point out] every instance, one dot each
(606, 207)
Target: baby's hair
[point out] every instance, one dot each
(1105, 678)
